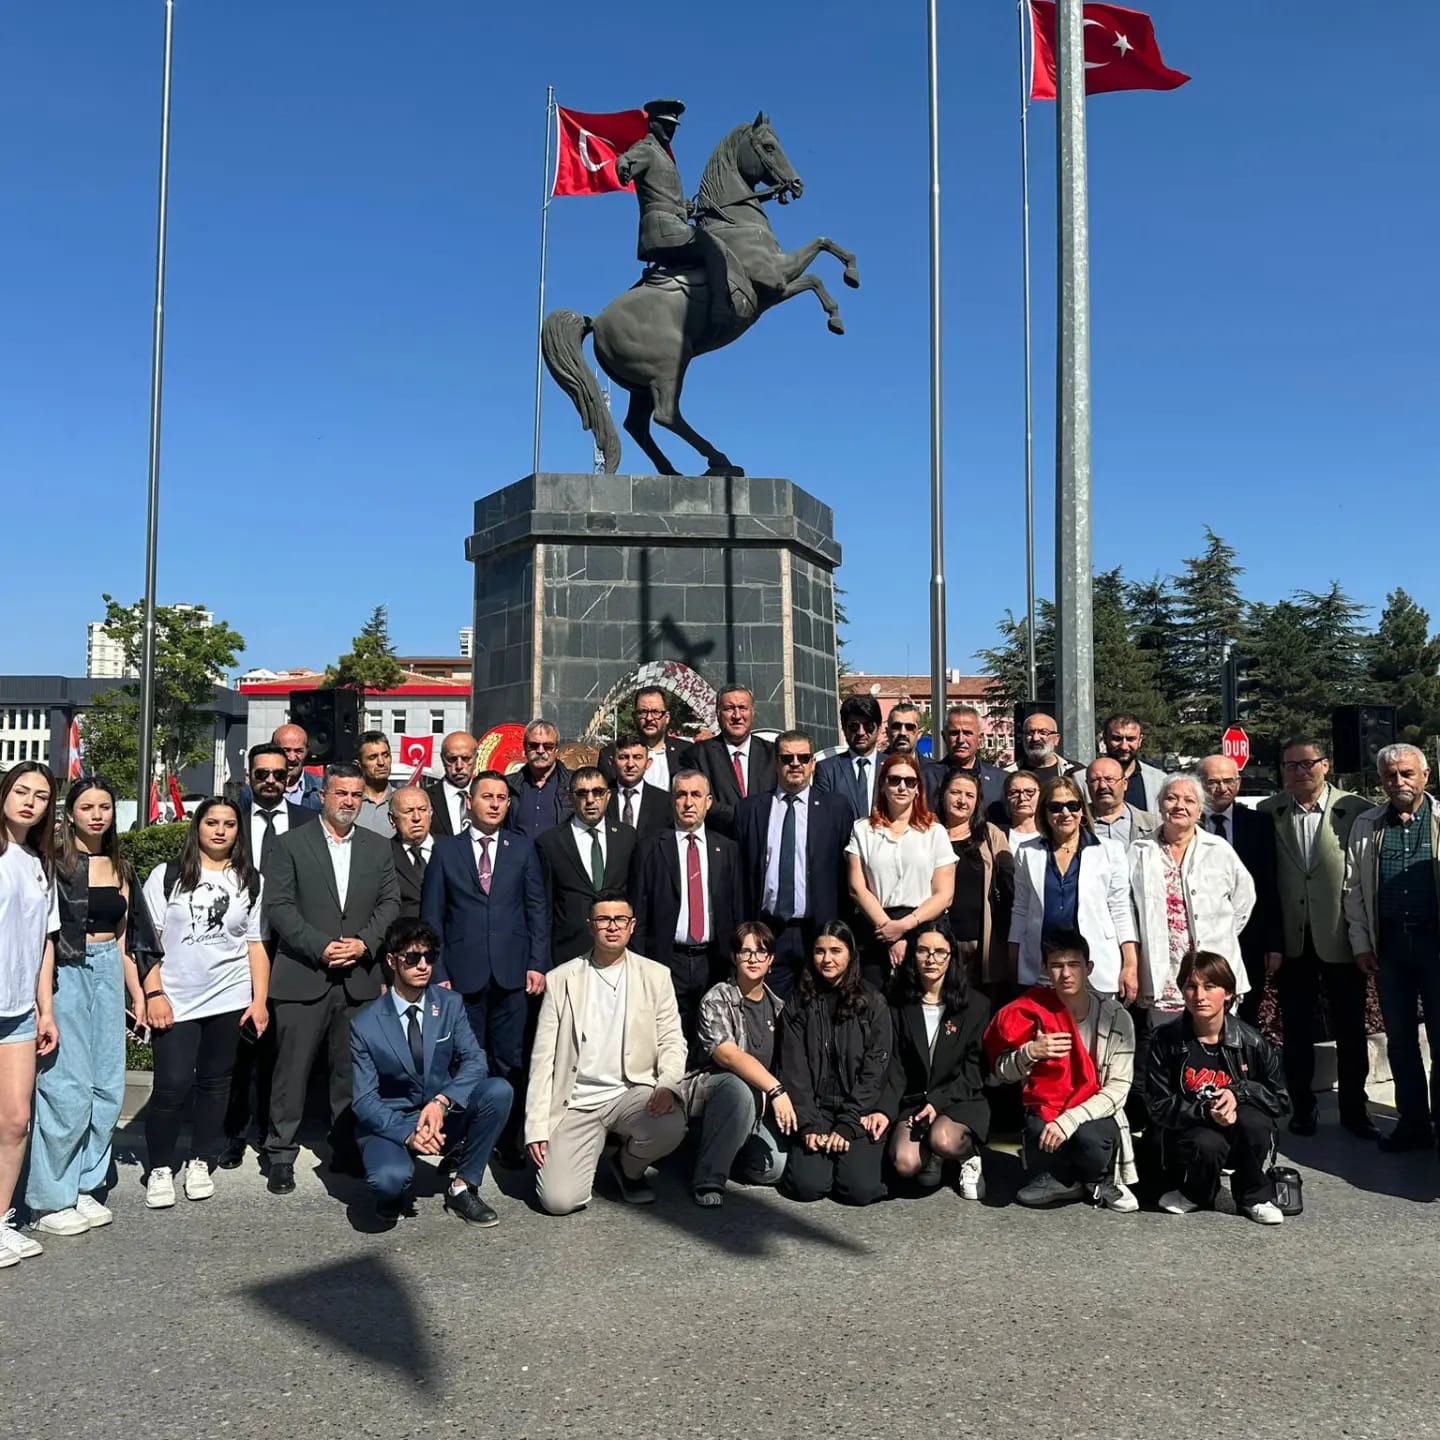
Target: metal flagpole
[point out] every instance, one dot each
(938, 692)
(544, 245)
(157, 371)
(1074, 658)
(1022, 12)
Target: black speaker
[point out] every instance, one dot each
(331, 718)
(1358, 733)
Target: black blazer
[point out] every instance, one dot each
(655, 880)
(680, 754)
(828, 828)
(712, 760)
(1255, 846)
(408, 878)
(569, 889)
(953, 1079)
(303, 908)
(440, 823)
(294, 814)
(656, 810)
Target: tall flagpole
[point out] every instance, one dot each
(1022, 11)
(157, 372)
(544, 245)
(1074, 650)
(938, 691)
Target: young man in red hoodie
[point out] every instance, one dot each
(1073, 1054)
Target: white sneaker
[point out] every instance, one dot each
(62, 1222)
(199, 1184)
(1045, 1189)
(1265, 1213)
(8, 1257)
(160, 1189)
(1172, 1202)
(94, 1212)
(972, 1179)
(1114, 1195)
(15, 1242)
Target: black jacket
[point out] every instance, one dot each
(1255, 845)
(518, 783)
(712, 760)
(852, 1056)
(141, 942)
(679, 755)
(407, 878)
(569, 888)
(653, 812)
(953, 1080)
(1249, 1057)
(655, 881)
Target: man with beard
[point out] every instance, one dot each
(665, 757)
(301, 787)
(450, 796)
(1039, 750)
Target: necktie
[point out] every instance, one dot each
(863, 766)
(785, 896)
(268, 816)
(629, 816)
(739, 771)
(485, 863)
(597, 862)
(412, 1034)
(696, 892)
(1217, 824)
(418, 856)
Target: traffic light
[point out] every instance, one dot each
(1238, 688)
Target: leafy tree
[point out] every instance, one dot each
(1209, 612)
(370, 664)
(1005, 663)
(1404, 668)
(1126, 675)
(1155, 629)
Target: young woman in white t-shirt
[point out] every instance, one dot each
(29, 918)
(206, 997)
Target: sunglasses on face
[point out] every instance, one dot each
(901, 782)
(861, 725)
(795, 759)
(259, 774)
(1061, 807)
(412, 958)
(904, 725)
(541, 745)
(594, 793)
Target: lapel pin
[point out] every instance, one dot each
(435, 1010)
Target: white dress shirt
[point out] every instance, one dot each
(682, 922)
(1307, 825)
(657, 773)
(771, 898)
(257, 824)
(341, 847)
(455, 803)
(476, 836)
(580, 832)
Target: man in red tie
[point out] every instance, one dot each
(736, 762)
(686, 893)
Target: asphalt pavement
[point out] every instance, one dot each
(254, 1315)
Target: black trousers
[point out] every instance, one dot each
(1143, 1019)
(853, 1177)
(301, 1028)
(693, 970)
(1299, 983)
(875, 964)
(1086, 1158)
(1249, 1009)
(503, 1024)
(191, 1056)
(794, 940)
(1201, 1151)
(254, 1067)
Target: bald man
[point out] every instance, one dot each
(411, 844)
(301, 787)
(1038, 749)
(450, 796)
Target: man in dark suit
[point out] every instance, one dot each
(963, 732)
(852, 775)
(263, 801)
(685, 890)
(792, 849)
(581, 859)
(412, 844)
(422, 1085)
(664, 756)
(450, 796)
(635, 803)
(330, 895)
(736, 762)
(485, 896)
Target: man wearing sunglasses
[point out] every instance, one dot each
(270, 814)
(422, 1083)
(852, 775)
(792, 855)
(540, 788)
(902, 729)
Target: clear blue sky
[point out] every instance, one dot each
(350, 339)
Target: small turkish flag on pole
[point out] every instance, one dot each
(175, 796)
(1121, 52)
(154, 802)
(590, 145)
(417, 751)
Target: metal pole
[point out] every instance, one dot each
(1075, 669)
(938, 693)
(1032, 690)
(544, 245)
(157, 372)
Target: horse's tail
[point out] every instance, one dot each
(562, 342)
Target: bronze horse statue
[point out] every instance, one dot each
(646, 338)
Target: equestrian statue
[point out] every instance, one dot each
(703, 287)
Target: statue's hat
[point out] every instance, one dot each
(670, 110)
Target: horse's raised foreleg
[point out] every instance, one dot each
(637, 425)
(796, 262)
(666, 399)
(813, 282)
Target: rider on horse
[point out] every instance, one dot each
(666, 236)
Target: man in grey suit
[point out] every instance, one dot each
(330, 895)
(1115, 817)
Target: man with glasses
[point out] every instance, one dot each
(736, 762)
(792, 850)
(1312, 829)
(608, 1065)
(664, 756)
(1039, 751)
(1114, 816)
(422, 1084)
(580, 860)
(852, 774)
(540, 788)
(636, 804)
(450, 796)
(902, 729)
(963, 732)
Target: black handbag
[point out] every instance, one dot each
(1289, 1197)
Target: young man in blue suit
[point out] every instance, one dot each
(421, 1082)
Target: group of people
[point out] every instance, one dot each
(826, 972)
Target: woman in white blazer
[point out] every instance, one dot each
(1072, 880)
(1191, 893)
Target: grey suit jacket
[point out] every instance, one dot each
(302, 905)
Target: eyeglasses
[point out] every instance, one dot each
(258, 774)
(904, 725)
(651, 714)
(611, 922)
(1059, 807)
(1306, 765)
(1040, 734)
(541, 745)
(796, 759)
(756, 954)
(927, 952)
(593, 792)
(415, 957)
(1022, 793)
(901, 782)
(856, 723)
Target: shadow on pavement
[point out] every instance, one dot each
(746, 1226)
(1414, 1175)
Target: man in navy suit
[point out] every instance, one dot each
(485, 895)
(852, 775)
(421, 1082)
(792, 852)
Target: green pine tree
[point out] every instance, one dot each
(1404, 669)
(1126, 674)
(370, 664)
(1209, 611)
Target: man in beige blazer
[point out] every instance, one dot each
(608, 1060)
(1312, 830)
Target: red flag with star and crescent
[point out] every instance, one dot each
(589, 147)
(1121, 52)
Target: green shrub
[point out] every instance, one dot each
(154, 845)
(138, 1055)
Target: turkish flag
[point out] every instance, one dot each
(176, 797)
(1121, 52)
(154, 802)
(589, 147)
(417, 751)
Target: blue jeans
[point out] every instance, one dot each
(79, 1085)
(734, 1137)
(1409, 977)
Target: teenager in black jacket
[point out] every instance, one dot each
(935, 1094)
(1215, 1087)
(834, 1061)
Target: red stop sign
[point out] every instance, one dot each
(1236, 746)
